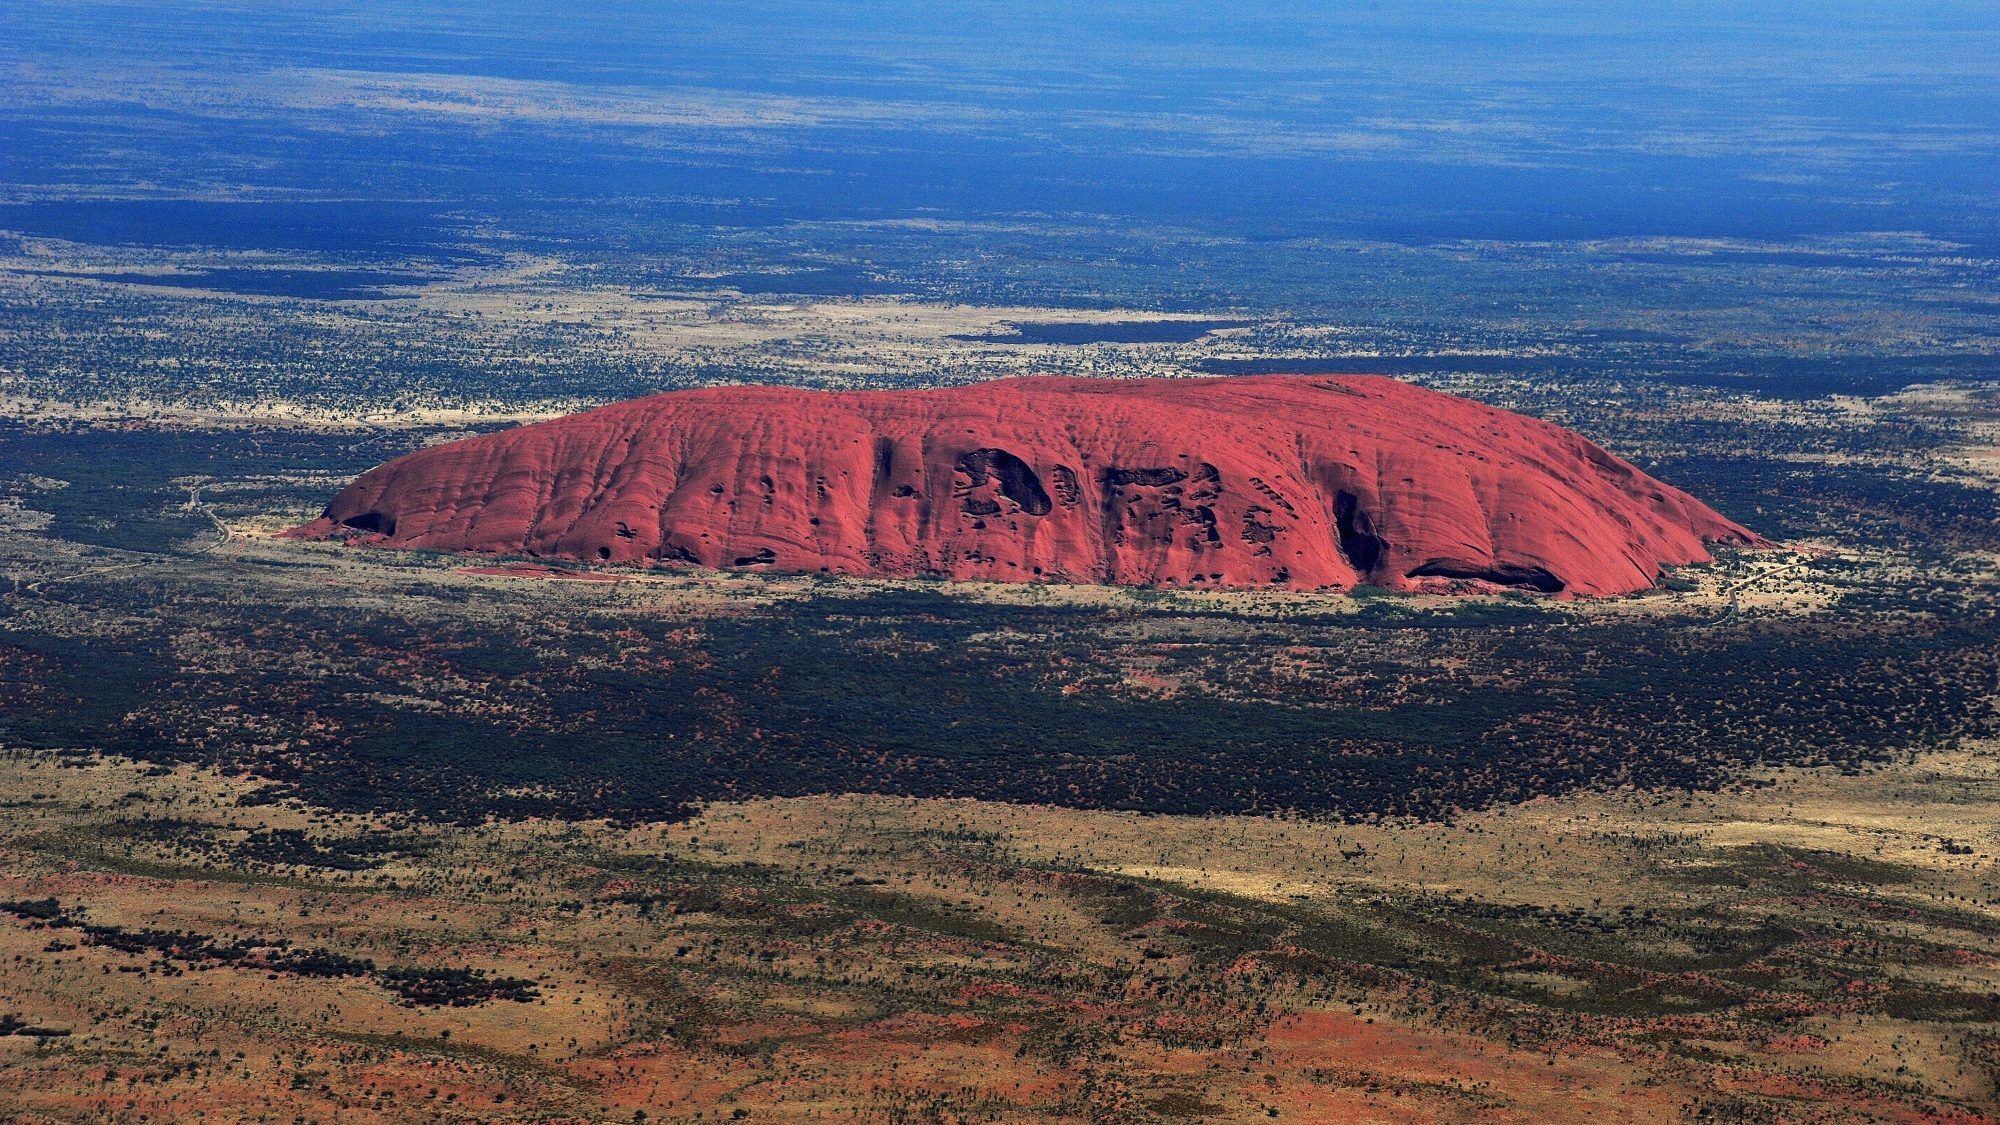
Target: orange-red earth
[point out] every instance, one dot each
(1293, 481)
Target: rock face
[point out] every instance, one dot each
(1251, 482)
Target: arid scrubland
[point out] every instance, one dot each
(1622, 954)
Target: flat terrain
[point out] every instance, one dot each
(1825, 944)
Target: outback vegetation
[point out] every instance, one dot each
(297, 832)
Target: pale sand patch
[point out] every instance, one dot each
(1249, 884)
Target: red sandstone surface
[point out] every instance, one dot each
(1249, 482)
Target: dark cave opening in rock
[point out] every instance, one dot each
(1358, 540)
(1528, 577)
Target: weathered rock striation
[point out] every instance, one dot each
(1250, 482)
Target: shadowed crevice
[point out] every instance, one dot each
(1528, 577)
(1358, 541)
(1017, 481)
(374, 523)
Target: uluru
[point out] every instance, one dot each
(1267, 481)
